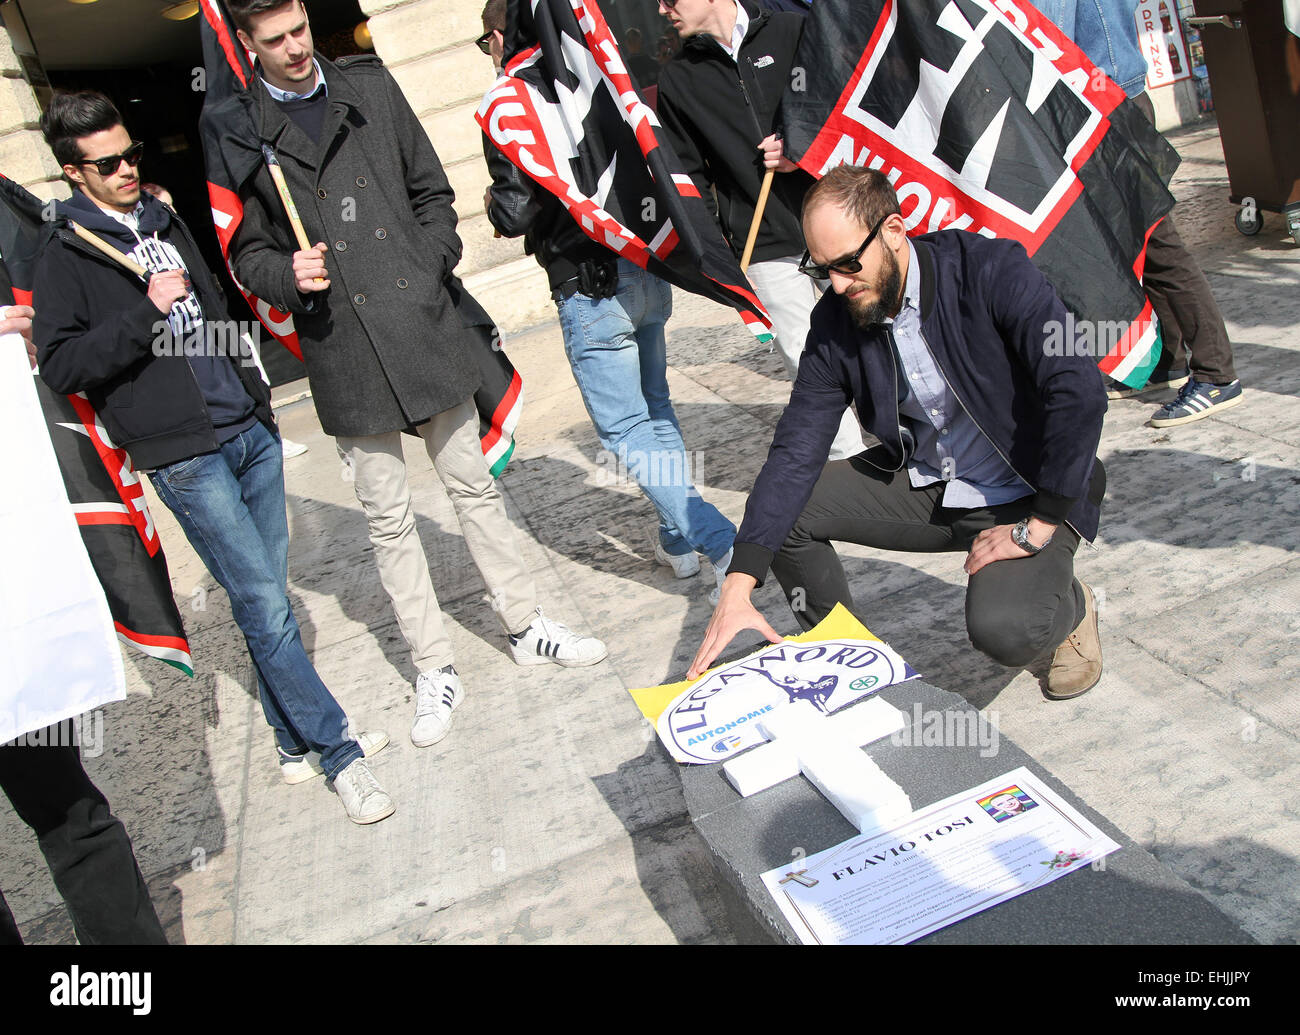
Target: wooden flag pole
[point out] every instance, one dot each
(108, 249)
(286, 199)
(758, 218)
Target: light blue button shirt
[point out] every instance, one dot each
(289, 95)
(949, 445)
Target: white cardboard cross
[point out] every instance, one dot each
(827, 750)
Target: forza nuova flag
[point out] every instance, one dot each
(986, 117)
(567, 113)
(231, 150)
(103, 488)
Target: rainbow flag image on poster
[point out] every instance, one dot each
(716, 716)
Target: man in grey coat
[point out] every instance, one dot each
(378, 315)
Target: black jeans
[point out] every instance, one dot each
(1182, 299)
(85, 845)
(1017, 611)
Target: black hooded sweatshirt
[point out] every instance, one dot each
(167, 386)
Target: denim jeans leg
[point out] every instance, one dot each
(709, 531)
(217, 499)
(616, 349)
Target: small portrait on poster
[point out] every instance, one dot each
(1010, 801)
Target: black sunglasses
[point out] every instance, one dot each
(484, 42)
(109, 164)
(849, 266)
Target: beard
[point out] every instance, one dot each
(888, 289)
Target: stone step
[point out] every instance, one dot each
(516, 294)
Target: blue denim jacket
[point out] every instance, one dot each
(1105, 30)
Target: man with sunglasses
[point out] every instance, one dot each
(987, 441)
(198, 419)
(718, 101)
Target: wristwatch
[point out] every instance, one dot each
(1020, 536)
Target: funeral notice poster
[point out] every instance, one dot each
(947, 862)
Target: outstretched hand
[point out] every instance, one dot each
(733, 614)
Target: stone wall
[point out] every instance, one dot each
(24, 158)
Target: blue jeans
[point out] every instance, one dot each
(617, 351)
(231, 505)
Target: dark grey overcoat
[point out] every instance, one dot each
(384, 345)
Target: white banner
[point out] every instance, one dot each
(946, 862)
(58, 649)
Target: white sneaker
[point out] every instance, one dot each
(546, 640)
(290, 448)
(720, 567)
(437, 694)
(684, 565)
(362, 797)
(308, 767)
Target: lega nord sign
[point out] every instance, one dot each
(717, 716)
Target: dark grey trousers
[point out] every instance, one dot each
(1183, 301)
(1017, 611)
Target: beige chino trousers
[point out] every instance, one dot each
(379, 478)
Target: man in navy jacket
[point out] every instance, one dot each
(949, 348)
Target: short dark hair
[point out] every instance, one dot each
(494, 16)
(74, 115)
(242, 11)
(865, 194)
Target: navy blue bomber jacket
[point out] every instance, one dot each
(986, 313)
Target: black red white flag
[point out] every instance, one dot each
(231, 149)
(986, 117)
(103, 488)
(567, 113)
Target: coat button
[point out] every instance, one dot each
(381, 233)
(340, 246)
(320, 193)
(359, 299)
(361, 181)
(402, 282)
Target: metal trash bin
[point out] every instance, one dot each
(1254, 67)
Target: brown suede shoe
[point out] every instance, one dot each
(1076, 665)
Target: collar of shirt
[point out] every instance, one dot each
(289, 95)
(738, 32)
(912, 288)
(131, 219)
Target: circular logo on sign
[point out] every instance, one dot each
(719, 715)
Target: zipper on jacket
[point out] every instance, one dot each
(898, 416)
(744, 92)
